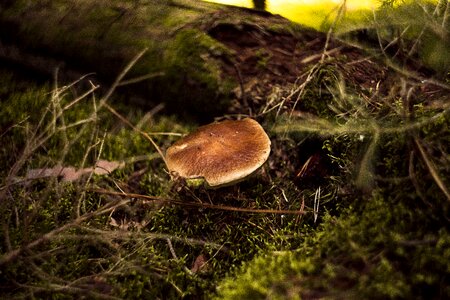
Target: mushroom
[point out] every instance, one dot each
(221, 153)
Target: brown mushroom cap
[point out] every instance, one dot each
(221, 153)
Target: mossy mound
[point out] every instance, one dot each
(183, 66)
(387, 246)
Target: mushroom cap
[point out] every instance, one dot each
(221, 153)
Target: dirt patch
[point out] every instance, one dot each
(272, 63)
(266, 59)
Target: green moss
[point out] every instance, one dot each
(263, 58)
(317, 96)
(380, 240)
(20, 99)
(189, 58)
(370, 251)
(193, 62)
(126, 250)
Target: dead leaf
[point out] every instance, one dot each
(71, 174)
(200, 264)
(105, 167)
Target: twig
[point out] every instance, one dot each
(413, 178)
(14, 254)
(119, 78)
(140, 78)
(325, 127)
(149, 115)
(433, 170)
(365, 175)
(174, 255)
(82, 196)
(148, 137)
(316, 204)
(163, 201)
(90, 91)
(121, 235)
(241, 85)
(91, 293)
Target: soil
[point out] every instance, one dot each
(267, 61)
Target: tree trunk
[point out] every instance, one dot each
(83, 36)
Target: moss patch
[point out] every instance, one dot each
(372, 250)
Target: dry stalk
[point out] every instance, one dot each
(432, 169)
(166, 201)
(143, 133)
(14, 254)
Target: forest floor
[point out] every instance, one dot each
(352, 202)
